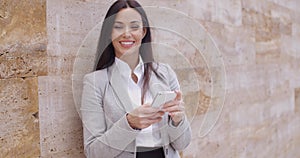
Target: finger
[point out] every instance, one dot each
(158, 114)
(148, 109)
(140, 113)
(148, 113)
(179, 95)
(152, 121)
(174, 109)
(173, 103)
(154, 115)
(176, 113)
(176, 116)
(146, 105)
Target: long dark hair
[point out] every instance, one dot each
(106, 50)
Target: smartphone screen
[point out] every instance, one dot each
(163, 97)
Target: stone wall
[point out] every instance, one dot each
(46, 47)
(23, 57)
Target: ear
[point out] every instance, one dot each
(144, 32)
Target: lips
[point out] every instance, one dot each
(127, 44)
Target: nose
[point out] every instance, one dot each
(127, 33)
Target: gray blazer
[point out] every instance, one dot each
(105, 102)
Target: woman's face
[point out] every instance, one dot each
(127, 32)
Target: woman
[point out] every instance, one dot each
(118, 119)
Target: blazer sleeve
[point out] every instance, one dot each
(99, 141)
(179, 136)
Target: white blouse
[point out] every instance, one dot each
(146, 138)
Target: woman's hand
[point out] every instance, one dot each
(175, 109)
(144, 116)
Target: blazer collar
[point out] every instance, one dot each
(119, 85)
(157, 84)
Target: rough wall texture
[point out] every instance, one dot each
(258, 41)
(22, 59)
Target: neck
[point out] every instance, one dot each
(131, 59)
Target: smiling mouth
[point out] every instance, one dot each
(127, 44)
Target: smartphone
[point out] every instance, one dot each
(163, 97)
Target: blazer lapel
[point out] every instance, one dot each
(156, 85)
(120, 87)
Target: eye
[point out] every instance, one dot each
(118, 27)
(135, 27)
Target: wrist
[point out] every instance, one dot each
(175, 124)
(129, 117)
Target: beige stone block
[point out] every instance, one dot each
(189, 82)
(222, 127)
(228, 12)
(19, 118)
(23, 38)
(23, 60)
(60, 65)
(291, 4)
(61, 129)
(281, 104)
(268, 51)
(202, 10)
(266, 28)
(271, 9)
(263, 7)
(257, 75)
(237, 44)
(292, 130)
(215, 144)
(23, 21)
(297, 100)
(296, 30)
(285, 18)
(275, 106)
(175, 50)
(255, 142)
(285, 135)
(224, 12)
(204, 79)
(245, 76)
(293, 71)
(193, 32)
(207, 96)
(290, 46)
(69, 22)
(196, 104)
(242, 96)
(247, 115)
(73, 30)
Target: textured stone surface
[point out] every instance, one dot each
(23, 57)
(23, 38)
(297, 100)
(19, 136)
(22, 21)
(68, 22)
(258, 41)
(60, 125)
(21, 60)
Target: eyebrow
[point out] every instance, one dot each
(132, 22)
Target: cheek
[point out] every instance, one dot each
(115, 35)
(138, 36)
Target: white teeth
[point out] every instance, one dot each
(127, 43)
